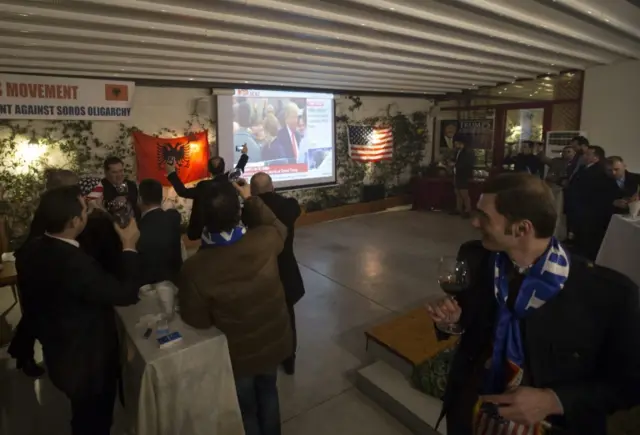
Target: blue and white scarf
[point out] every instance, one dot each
(543, 281)
(223, 238)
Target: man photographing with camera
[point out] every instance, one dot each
(233, 283)
(216, 167)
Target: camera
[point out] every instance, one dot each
(120, 210)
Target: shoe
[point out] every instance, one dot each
(289, 365)
(30, 368)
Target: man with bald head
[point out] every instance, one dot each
(287, 142)
(287, 211)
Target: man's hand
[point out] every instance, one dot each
(445, 311)
(244, 149)
(243, 188)
(621, 203)
(526, 405)
(170, 167)
(129, 235)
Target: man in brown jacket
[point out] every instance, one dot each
(232, 282)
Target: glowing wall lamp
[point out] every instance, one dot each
(28, 153)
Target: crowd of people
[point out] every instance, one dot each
(271, 131)
(83, 258)
(593, 186)
(551, 341)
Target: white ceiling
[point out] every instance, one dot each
(394, 46)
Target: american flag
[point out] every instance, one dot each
(370, 144)
(91, 188)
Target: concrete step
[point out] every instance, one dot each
(389, 388)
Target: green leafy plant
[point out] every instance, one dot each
(410, 136)
(65, 144)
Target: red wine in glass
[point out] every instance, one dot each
(453, 277)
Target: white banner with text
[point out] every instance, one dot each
(39, 97)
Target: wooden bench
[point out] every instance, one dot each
(410, 336)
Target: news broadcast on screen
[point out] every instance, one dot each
(289, 135)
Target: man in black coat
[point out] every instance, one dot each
(216, 168)
(465, 160)
(577, 325)
(159, 246)
(589, 192)
(114, 184)
(624, 185)
(287, 210)
(72, 299)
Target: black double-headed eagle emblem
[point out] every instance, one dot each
(178, 154)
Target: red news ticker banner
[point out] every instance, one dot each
(276, 170)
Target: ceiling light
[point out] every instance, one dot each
(547, 78)
(505, 89)
(246, 82)
(553, 64)
(393, 9)
(121, 69)
(191, 78)
(24, 31)
(589, 12)
(362, 24)
(531, 95)
(499, 93)
(607, 20)
(24, 15)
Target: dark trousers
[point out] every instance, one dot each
(292, 321)
(588, 238)
(258, 398)
(24, 340)
(93, 414)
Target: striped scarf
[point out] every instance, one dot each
(542, 282)
(222, 238)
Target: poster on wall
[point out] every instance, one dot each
(477, 134)
(64, 98)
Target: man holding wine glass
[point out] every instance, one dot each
(550, 343)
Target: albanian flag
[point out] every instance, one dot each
(190, 154)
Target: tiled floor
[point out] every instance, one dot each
(357, 273)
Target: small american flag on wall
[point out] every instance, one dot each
(370, 144)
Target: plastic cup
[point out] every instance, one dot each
(165, 292)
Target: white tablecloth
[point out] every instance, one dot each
(186, 389)
(620, 248)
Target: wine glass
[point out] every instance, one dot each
(453, 277)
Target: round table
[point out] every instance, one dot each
(9, 278)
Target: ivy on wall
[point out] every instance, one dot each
(28, 148)
(410, 136)
(74, 145)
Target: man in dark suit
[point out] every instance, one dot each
(465, 160)
(625, 185)
(216, 169)
(72, 300)
(287, 211)
(286, 145)
(159, 245)
(589, 189)
(580, 145)
(114, 184)
(24, 338)
(551, 341)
